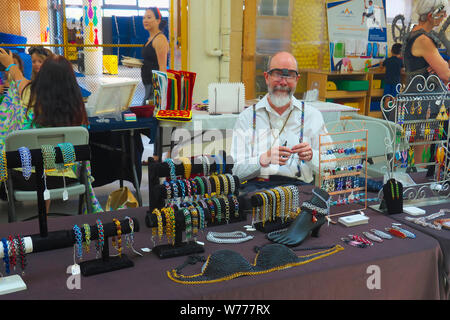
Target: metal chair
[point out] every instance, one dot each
(33, 139)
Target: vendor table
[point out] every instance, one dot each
(117, 148)
(405, 268)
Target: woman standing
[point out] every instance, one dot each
(421, 49)
(155, 50)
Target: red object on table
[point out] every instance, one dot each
(143, 111)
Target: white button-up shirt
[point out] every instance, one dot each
(246, 154)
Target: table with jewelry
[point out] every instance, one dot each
(329, 267)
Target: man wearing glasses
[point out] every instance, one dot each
(276, 141)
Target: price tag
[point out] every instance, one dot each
(75, 269)
(65, 195)
(46, 194)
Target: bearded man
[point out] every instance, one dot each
(276, 141)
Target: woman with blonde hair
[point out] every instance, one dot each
(421, 55)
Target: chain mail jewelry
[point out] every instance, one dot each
(100, 238)
(278, 204)
(187, 165)
(227, 208)
(201, 184)
(217, 183)
(205, 164)
(87, 237)
(315, 210)
(188, 223)
(78, 241)
(21, 250)
(194, 218)
(68, 152)
(406, 232)
(48, 156)
(174, 185)
(282, 197)
(6, 255)
(182, 189)
(3, 167)
(119, 237)
(372, 237)
(159, 227)
(25, 158)
(212, 211)
(266, 207)
(274, 205)
(228, 237)
(219, 209)
(12, 252)
(170, 226)
(236, 205)
(201, 217)
(208, 184)
(231, 182)
(171, 165)
(168, 190)
(225, 183)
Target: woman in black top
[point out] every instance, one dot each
(155, 50)
(421, 49)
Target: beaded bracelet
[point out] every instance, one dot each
(68, 152)
(12, 252)
(182, 189)
(272, 202)
(236, 205)
(78, 241)
(173, 175)
(225, 183)
(201, 184)
(100, 236)
(212, 210)
(201, 217)
(119, 237)
(159, 228)
(206, 165)
(21, 246)
(217, 183)
(188, 187)
(168, 190)
(381, 234)
(188, 223)
(282, 202)
(3, 167)
(278, 204)
(219, 209)
(187, 165)
(194, 217)
(48, 156)
(232, 183)
(227, 208)
(25, 158)
(174, 185)
(5, 255)
(193, 184)
(168, 211)
(208, 184)
(87, 237)
(266, 207)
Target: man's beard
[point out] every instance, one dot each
(280, 95)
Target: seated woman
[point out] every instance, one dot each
(52, 99)
(5, 86)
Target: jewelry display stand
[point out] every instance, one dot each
(421, 115)
(339, 176)
(46, 241)
(272, 224)
(158, 198)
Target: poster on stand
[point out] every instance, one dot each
(357, 34)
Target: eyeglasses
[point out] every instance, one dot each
(38, 50)
(278, 74)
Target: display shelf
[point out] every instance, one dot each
(317, 79)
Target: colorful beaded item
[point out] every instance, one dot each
(87, 237)
(119, 237)
(21, 246)
(3, 167)
(5, 255)
(78, 241)
(173, 175)
(188, 223)
(68, 152)
(48, 156)
(100, 237)
(25, 158)
(12, 249)
(187, 166)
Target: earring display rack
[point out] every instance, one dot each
(188, 194)
(421, 114)
(341, 164)
(46, 241)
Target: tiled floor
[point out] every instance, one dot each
(28, 209)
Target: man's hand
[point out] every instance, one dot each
(276, 155)
(303, 150)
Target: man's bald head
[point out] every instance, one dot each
(282, 60)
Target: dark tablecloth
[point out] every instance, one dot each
(409, 268)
